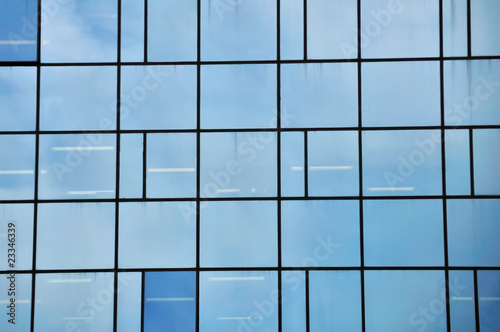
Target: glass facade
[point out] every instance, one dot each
(249, 165)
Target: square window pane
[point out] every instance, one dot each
(132, 30)
(292, 29)
(292, 164)
(408, 94)
(74, 302)
(18, 95)
(238, 96)
(457, 162)
(455, 27)
(332, 29)
(484, 26)
(486, 161)
(333, 163)
(405, 300)
(16, 232)
(164, 237)
(172, 27)
(473, 232)
(399, 29)
(293, 288)
(462, 304)
(170, 301)
(238, 164)
(402, 162)
(129, 302)
(171, 165)
(328, 308)
(77, 166)
(403, 232)
(320, 233)
(158, 97)
(78, 98)
(79, 31)
(17, 163)
(319, 95)
(18, 30)
(489, 300)
(238, 234)
(238, 30)
(75, 235)
(238, 301)
(16, 315)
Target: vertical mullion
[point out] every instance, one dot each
(145, 30)
(305, 29)
(143, 295)
(476, 302)
(278, 159)
(471, 161)
(308, 323)
(469, 29)
(198, 162)
(306, 165)
(144, 163)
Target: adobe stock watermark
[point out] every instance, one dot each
(373, 28)
(154, 77)
(455, 116)
(266, 308)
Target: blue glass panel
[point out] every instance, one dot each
(486, 161)
(292, 164)
(132, 30)
(489, 300)
(16, 315)
(129, 302)
(457, 162)
(484, 27)
(170, 301)
(18, 30)
(462, 304)
(292, 29)
(17, 160)
(131, 154)
(16, 229)
(293, 290)
(455, 27)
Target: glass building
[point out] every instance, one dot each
(249, 165)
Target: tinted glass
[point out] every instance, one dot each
(17, 160)
(457, 162)
(484, 39)
(18, 32)
(486, 161)
(292, 164)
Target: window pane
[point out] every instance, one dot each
(158, 97)
(132, 30)
(74, 302)
(242, 96)
(333, 163)
(489, 300)
(293, 288)
(331, 29)
(238, 164)
(320, 233)
(238, 301)
(403, 162)
(172, 30)
(319, 95)
(18, 95)
(238, 30)
(171, 165)
(170, 301)
(292, 29)
(238, 233)
(77, 166)
(16, 232)
(17, 160)
(473, 232)
(404, 300)
(403, 232)
(399, 29)
(484, 26)
(75, 235)
(129, 302)
(19, 318)
(407, 96)
(131, 155)
(73, 98)
(455, 27)
(329, 310)
(165, 239)
(79, 31)
(462, 307)
(486, 161)
(18, 30)
(457, 162)
(292, 164)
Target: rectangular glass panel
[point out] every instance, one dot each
(77, 166)
(484, 26)
(293, 290)
(403, 232)
(18, 30)
(455, 27)
(457, 162)
(462, 307)
(16, 302)
(172, 27)
(238, 301)
(332, 29)
(402, 162)
(171, 165)
(328, 308)
(489, 300)
(165, 239)
(74, 302)
(242, 96)
(16, 234)
(158, 97)
(292, 164)
(17, 164)
(333, 163)
(129, 302)
(408, 95)
(170, 301)
(238, 164)
(18, 96)
(132, 30)
(319, 95)
(78, 98)
(486, 161)
(238, 234)
(292, 29)
(473, 232)
(131, 172)
(238, 30)
(75, 235)
(399, 29)
(79, 31)
(320, 233)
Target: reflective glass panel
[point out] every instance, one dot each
(132, 30)
(462, 304)
(292, 29)
(292, 164)
(455, 27)
(457, 162)
(293, 288)
(16, 314)
(129, 302)
(16, 234)
(489, 300)
(486, 161)
(17, 163)
(18, 32)
(485, 39)
(131, 172)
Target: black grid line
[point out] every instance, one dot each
(476, 302)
